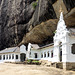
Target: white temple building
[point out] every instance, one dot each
(14, 54)
(61, 51)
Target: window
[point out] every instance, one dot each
(9, 56)
(60, 49)
(48, 54)
(16, 56)
(3, 57)
(73, 48)
(35, 55)
(51, 54)
(45, 54)
(41, 55)
(12, 56)
(6, 56)
(0, 57)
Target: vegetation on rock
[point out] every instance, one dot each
(34, 4)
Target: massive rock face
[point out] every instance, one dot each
(18, 20)
(43, 12)
(44, 32)
(69, 4)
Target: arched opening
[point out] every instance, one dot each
(52, 54)
(60, 51)
(35, 55)
(73, 48)
(48, 54)
(44, 54)
(22, 57)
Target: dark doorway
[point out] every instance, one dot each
(52, 54)
(73, 48)
(60, 49)
(35, 55)
(60, 56)
(22, 57)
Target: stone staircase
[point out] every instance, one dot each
(45, 62)
(51, 64)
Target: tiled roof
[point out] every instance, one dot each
(9, 50)
(46, 46)
(36, 46)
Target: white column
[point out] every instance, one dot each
(43, 54)
(19, 57)
(5, 56)
(66, 52)
(8, 56)
(46, 55)
(50, 54)
(15, 57)
(58, 56)
(11, 56)
(28, 54)
(2, 57)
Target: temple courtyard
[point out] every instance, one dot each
(22, 69)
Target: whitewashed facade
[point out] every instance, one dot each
(14, 54)
(63, 49)
(64, 39)
(42, 53)
(63, 42)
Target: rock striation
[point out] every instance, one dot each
(19, 21)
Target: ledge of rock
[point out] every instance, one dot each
(45, 30)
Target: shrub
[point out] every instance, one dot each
(54, 32)
(34, 4)
(29, 61)
(35, 61)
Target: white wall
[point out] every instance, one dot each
(67, 42)
(32, 56)
(46, 50)
(10, 60)
(70, 56)
(57, 40)
(42, 51)
(23, 49)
